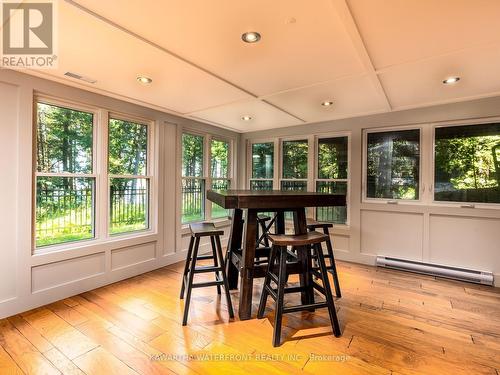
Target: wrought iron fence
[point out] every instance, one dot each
(67, 214)
(128, 207)
(261, 184)
(336, 214)
(193, 199)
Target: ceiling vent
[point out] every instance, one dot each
(80, 77)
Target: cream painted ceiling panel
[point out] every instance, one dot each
(420, 83)
(396, 31)
(264, 116)
(352, 96)
(303, 42)
(92, 48)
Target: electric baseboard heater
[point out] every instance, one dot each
(463, 274)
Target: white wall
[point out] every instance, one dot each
(442, 234)
(29, 280)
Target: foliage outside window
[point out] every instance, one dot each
(65, 184)
(332, 176)
(193, 182)
(467, 163)
(294, 175)
(262, 166)
(129, 184)
(219, 167)
(393, 164)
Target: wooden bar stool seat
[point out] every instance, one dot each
(313, 225)
(198, 231)
(279, 254)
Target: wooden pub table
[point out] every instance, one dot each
(244, 231)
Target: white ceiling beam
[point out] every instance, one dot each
(342, 9)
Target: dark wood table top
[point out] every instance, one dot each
(273, 199)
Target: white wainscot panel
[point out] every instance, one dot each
(469, 242)
(340, 242)
(8, 189)
(394, 234)
(133, 255)
(66, 272)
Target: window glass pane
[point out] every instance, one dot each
(336, 214)
(218, 211)
(193, 200)
(129, 204)
(294, 185)
(64, 210)
(393, 164)
(64, 140)
(263, 160)
(219, 151)
(467, 163)
(261, 185)
(332, 158)
(192, 155)
(128, 145)
(295, 159)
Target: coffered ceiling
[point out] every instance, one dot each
(367, 56)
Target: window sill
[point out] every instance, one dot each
(82, 248)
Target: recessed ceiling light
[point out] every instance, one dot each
(144, 80)
(327, 103)
(451, 80)
(246, 118)
(250, 37)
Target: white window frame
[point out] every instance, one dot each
(432, 174)
(346, 180)
(99, 173)
(148, 176)
(421, 187)
(206, 172)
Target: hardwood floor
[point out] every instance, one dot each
(392, 323)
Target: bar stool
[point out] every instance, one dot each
(313, 225)
(198, 231)
(262, 233)
(303, 242)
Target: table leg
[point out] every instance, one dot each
(300, 226)
(248, 258)
(234, 243)
(280, 222)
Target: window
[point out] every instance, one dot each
(206, 164)
(69, 175)
(128, 179)
(262, 166)
(332, 176)
(294, 176)
(219, 167)
(467, 163)
(65, 180)
(193, 182)
(393, 164)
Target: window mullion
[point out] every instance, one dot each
(103, 188)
